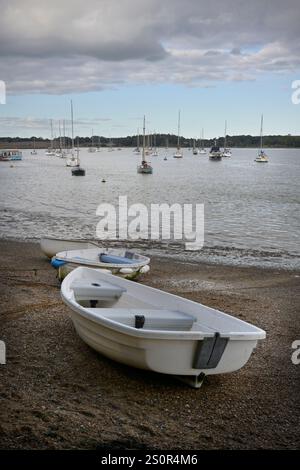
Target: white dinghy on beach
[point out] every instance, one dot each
(153, 330)
(51, 246)
(118, 261)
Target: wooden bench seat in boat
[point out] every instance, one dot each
(149, 319)
(87, 290)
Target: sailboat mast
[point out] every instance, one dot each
(72, 125)
(178, 146)
(261, 131)
(225, 138)
(64, 133)
(144, 141)
(51, 125)
(138, 139)
(60, 141)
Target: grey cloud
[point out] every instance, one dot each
(73, 46)
(235, 51)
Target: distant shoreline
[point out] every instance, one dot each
(43, 146)
(236, 141)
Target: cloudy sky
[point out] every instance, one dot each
(215, 60)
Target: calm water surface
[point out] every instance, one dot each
(251, 209)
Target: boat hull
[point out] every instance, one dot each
(134, 273)
(51, 246)
(16, 158)
(262, 157)
(72, 164)
(174, 357)
(146, 171)
(215, 157)
(77, 171)
(164, 350)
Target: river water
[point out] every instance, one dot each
(251, 210)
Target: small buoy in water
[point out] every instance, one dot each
(103, 180)
(11, 166)
(165, 158)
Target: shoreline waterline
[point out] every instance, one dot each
(219, 256)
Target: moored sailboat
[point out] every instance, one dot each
(137, 149)
(178, 153)
(59, 153)
(202, 150)
(50, 152)
(98, 149)
(226, 151)
(155, 152)
(215, 152)
(262, 157)
(33, 151)
(195, 150)
(92, 149)
(77, 170)
(145, 166)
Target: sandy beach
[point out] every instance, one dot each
(57, 393)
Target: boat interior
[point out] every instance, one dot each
(94, 254)
(117, 304)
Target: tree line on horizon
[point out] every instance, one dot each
(162, 140)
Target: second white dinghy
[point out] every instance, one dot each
(117, 260)
(153, 330)
(50, 246)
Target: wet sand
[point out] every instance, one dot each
(57, 393)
